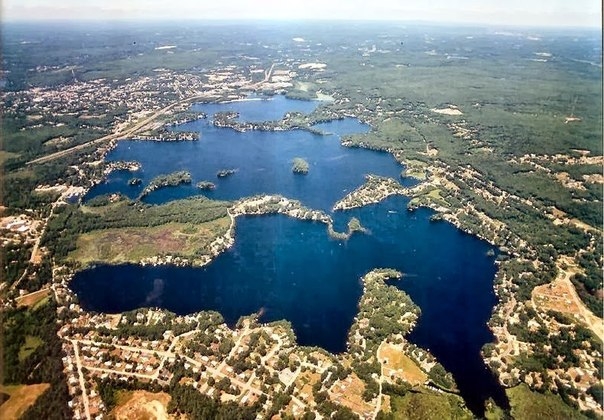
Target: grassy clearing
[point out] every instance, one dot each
(21, 398)
(305, 382)
(120, 245)
(429, 405)
(436, 194)
(415, 169)
(399, 365)
(41, 303)
(533, 405)
(429, 196)
(30, 345)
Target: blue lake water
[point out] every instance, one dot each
(291, 269)
(262, 160)
(257, 109)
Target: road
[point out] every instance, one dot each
(33, 259)
(76, 352)
(246, 329)
(247, 388)
(267, 76)
(378, 406)
(592, 321)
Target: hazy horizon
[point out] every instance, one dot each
(538, 13)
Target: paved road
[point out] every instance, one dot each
(81, 377)
(139, 125)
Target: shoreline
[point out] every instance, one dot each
(250, 206)
(389, 187)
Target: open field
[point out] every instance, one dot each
(32, 299)
(305, 382)
(428, 405)
(121, 245)
(21, 398)
(533, 405)
(30, 345)
(395, 364)
(142, 405)
(349, 393)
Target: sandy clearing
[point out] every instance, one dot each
(451, 110)
(144, 405)
(560, 295)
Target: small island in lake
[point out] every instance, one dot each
(300, 166)
(134, 182)
(223, 173)
(206, 185)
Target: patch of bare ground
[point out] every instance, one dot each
(349, 393)
(32, 298)
(558, 217)
(594, 179)
(567, 182)
(144, 405)
(304, 383)
(21, 398)
(561, 296)
(450, 110)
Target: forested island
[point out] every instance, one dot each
(300, 166)
(206, 185)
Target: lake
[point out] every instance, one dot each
(290, 268)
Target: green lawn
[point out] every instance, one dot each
(30, 345)
(528, 405)
(429, 405)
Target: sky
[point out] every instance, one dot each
(573, 13)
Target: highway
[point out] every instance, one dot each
(137, 126)
(117, 135)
